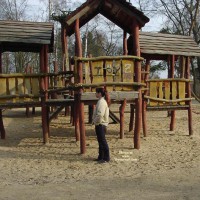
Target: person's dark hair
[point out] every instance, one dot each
(101, 90)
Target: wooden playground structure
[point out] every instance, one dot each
(122, 76)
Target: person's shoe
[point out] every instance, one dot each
(103, 161)
(97, 159)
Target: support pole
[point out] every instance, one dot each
(2, 129)
(80, 80)
(138, 101)
(27, 107)
(172, 71)
(121, 111)
(132, 112)
(144, 103)
(44, 87)
(125, 46)
(188, 89)
(182, 64)
(64, 42)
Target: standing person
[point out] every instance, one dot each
(101, 120)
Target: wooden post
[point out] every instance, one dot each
(121, 111)
(172, 71)
(33, 108)
(27, 107)
(76, 117)
(2, 129)
(64, 43)
(188, 90)
(144, 103)
(138, 101)
(125, 46)
(80, 80)
(54, 82)
(132, 112)
(90, 107)
(182, 65)
(44, 86)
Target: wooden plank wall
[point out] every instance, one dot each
(110, 71)
(161, 92)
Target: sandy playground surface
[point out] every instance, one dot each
(167, 167)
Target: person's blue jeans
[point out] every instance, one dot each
(103, 145)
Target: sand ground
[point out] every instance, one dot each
(167, 167)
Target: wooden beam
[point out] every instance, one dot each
(2, 129)
(43, 86)
(80, 104)
(121, 111)
(125, 46)
(188, 91)
(138, 101)
(127, 57)
(172, 72)
(144, 103)
(78, 15)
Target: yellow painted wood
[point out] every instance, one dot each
(3, 86)
(27, 85)
(174, 91)
(109, 74)
(153, 93)
(86, 75)
(113, 73)
(167, 90)
(20, 85)
(127, 73)
(99, 58)
(3, 90)
(35, 86)
(12, 86)
(117, 69)
(59, 81)
(51, 81)
(160, 91)
(86, 72)
(181, 91)
(97, 69)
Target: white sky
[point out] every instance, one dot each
(153, 26)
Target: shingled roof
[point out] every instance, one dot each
(119, 12)
(168, 44)
(157, 46)
(25, 36)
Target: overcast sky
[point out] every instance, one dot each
(153, 26)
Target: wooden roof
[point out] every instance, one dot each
(119, 12)
(153, 44)
(25, 36)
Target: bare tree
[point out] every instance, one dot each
(183, 18)
(13, 9)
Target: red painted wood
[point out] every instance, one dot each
(80, 80)
(121, 111)
(132, 112)
(138, 101)
(188, 90)
(125, 45)
(144, 103)
(43, 85)
(64, 43)
(2, 129)
(172, 71)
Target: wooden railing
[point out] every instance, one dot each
(117, 73)
(15, 88)
(167, 92)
